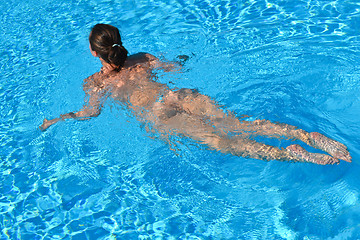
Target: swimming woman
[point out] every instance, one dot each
(130, 80)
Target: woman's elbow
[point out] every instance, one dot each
(95, 113)
(83, 115)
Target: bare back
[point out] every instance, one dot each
(133, 85)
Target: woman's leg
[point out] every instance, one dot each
(225, 122)
(205, 107)
(280, 130)
(202, 132)
(252, 149)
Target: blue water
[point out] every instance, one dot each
(288, 61)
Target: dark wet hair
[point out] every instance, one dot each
(106, 41)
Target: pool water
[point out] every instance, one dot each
(287, 61)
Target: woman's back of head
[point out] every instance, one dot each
(105, 40)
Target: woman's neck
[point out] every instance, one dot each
(106, 67)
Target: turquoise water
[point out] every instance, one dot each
(288, 61)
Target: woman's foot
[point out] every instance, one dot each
(334, 148)
(300, 154)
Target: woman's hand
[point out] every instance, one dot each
(47, 123)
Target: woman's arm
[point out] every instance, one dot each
(92, 108)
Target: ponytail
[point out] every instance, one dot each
(117, 56)
(106, 41)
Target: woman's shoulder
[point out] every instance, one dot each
(91, 82)
(140, 58)
(142, 55)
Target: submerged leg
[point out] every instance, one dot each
(275, 130)
(204, 133)
(314, 139)
(226, 122)
(199, 118)
(334, 148)
(306, 156)
(252, 149)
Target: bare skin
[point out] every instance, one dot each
(194, 115)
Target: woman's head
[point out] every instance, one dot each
(105, 40)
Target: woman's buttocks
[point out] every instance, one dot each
(171, 103)
(146, 95)
(179, 96)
